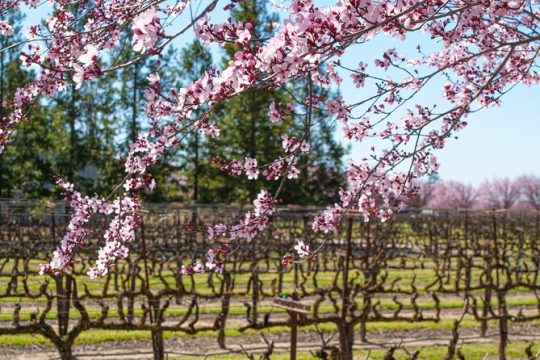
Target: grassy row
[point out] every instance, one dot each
(403, 278)
(515, 350)
(96, 336)
(385, 304)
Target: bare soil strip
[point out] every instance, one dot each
(207, 346)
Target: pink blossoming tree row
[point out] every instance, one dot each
(522, 193)
(479, 49)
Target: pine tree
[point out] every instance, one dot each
(73, 135)
(27, 166)
(192, 62)
(244, 134)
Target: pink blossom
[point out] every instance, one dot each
(78, 75)
(5, 28)
(234, 168)
(145, 30)
(302, 249)
(195, 268)
(328, 220)
(243, 36)
(289, 144)
(359, 80)
(264, 204)
(286, 260)
(84, 208)
(216, 231)
(274, 114)
(251, 167)
(274, 169)
(292, 171)
(153, 78)
(90, 56)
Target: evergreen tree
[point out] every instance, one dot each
(321, 168)
(27, 166)
(89, 114)
(92, 160)
(192, 62)
(128, 94)
(83, 134)
(240, 120)
(72, 136)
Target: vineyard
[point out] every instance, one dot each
(438, 285)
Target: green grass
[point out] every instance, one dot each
(470, 351)
(238, 309)
(97, 336)
(202, 287)
(423, 276)
(514, 350)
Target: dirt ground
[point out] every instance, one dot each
(206, 346)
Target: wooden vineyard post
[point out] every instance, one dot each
(501, 295)
(487, 286)
(294, 333)
(346, 333)
(178, 274)
(62, 290)
(293, 307)
(153, 302)
(226, 293)
(368, 283)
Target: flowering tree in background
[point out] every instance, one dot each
(500, 193)
(530, 191)
(497, 193)
(481, 48)
(454, 195)
(522, 193)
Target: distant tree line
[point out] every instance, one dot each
(84, 134)
(521, 193)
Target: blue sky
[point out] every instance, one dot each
(498, 142)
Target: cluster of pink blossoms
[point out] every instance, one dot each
(146, 30)
(236, 168)
(245, 230)
(126, 218)
(291, 144)
(215, 261)
(84, 209)
(482, 49)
